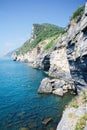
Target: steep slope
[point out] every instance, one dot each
(75, 115)
(64, 57)
(77, 51)
(39, 33)
(72, 47)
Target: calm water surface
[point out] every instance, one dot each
(20, 104)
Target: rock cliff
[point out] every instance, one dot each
(75, 115)
(68, 58)
(63, 56)
(76, 50)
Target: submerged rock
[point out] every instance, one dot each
(32, 124)
(24, 129)
(52, 128)
(46, 121)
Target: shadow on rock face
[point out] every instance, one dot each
(46, 62)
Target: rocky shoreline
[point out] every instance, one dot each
(66, 62)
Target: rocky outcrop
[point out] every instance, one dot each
(45, 86)
(38, 62)
(75, 115)
(76, 49)
(66, 62)
(59, 66)
(55, 86)
(33, 35)
(67, 59)
(42, 61)
(70, 118)
(86, 9)
(77, 52)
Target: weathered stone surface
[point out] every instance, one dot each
(59, 84)
(45, 86)
(85, 127)
(86, 9)
(38, 62)
(55, 86)
(58, 62)
(77, 54)
(70, 118)
(80, 111)
(74, 113)
(58, 92)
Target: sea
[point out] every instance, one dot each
(21, 107)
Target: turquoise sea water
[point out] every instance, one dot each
(20, 104)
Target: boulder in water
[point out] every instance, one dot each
(45, 86)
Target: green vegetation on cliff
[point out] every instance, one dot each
(51, 43)
(40, 33)
(78, 14)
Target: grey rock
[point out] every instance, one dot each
(76, 50)
(45, 86)
(64, 76)
(80, 111)
(58, 92)
(85, 127)
(70, 118)
(38, 62)
(65, 122)
(86, 9)
(59, 84)
(55, 86)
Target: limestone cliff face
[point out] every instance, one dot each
(65, 61)
(76, 50)
(67, 58)
(33, 35)
(59, 66)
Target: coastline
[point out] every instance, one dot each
(65, 62)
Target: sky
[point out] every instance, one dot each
(17, 17)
